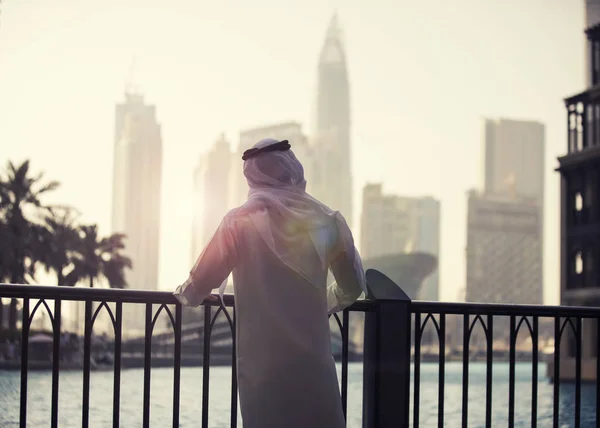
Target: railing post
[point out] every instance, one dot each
(386, 373)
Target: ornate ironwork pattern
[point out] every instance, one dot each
(384, 321)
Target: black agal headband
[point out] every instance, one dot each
(282, 146)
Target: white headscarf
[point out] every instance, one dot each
(283, 213)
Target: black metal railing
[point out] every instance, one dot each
(34, 298)
(398, 335)
(519, 317)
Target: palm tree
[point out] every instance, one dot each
(99, 258)
(60, 242)
(20, 208)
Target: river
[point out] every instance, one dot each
(39, 388)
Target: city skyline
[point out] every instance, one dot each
(407, 129)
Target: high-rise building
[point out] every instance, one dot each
(393, 225)
(503, 254)
(501, 216)
(211, 194)
(291, 131)
(514, 158)
(580, 209)
(137, 173)
(332, 134)
(428, 241)
(388, 223)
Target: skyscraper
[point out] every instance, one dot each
(211, 194)
(137, 176)
(393, 225)
(505, 220)
(428, 241)
(503, 254)
(388, 223)
(514, 158)
(332, 134)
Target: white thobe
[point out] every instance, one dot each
(286, 373)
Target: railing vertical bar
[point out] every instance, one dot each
(147, 364)
(442, 370)
(87, 345)
(511, 375)
(117, 365)
(55, 361)
(489, 371)
(534, 371)
(24, 361)
(417, 370)
(177, 365)
(234, 392)
(345, 339)
(556, 379)
(206, 366)
(465, 372)
(578, 356)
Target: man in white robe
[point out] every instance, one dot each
(279, 246)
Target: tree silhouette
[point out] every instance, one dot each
(60, 243)
(97, 258)
(21, 209)
(34, 234)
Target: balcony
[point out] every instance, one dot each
(583, 122)
(423, 363)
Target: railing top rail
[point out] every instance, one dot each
(503, 309)
(166, 297)
(51, 292)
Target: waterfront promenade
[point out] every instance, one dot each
(383, 390)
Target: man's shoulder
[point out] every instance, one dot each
(239, 214)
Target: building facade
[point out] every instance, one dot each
(392, 225)
(331, 136)
(211, 194)
(137, 174)
(514, 154)
(428, 241)
(505, 219)
(579, 169)
(503, 252)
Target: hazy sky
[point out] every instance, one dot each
(422, 75)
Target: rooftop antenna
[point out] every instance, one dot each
(334, 30)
